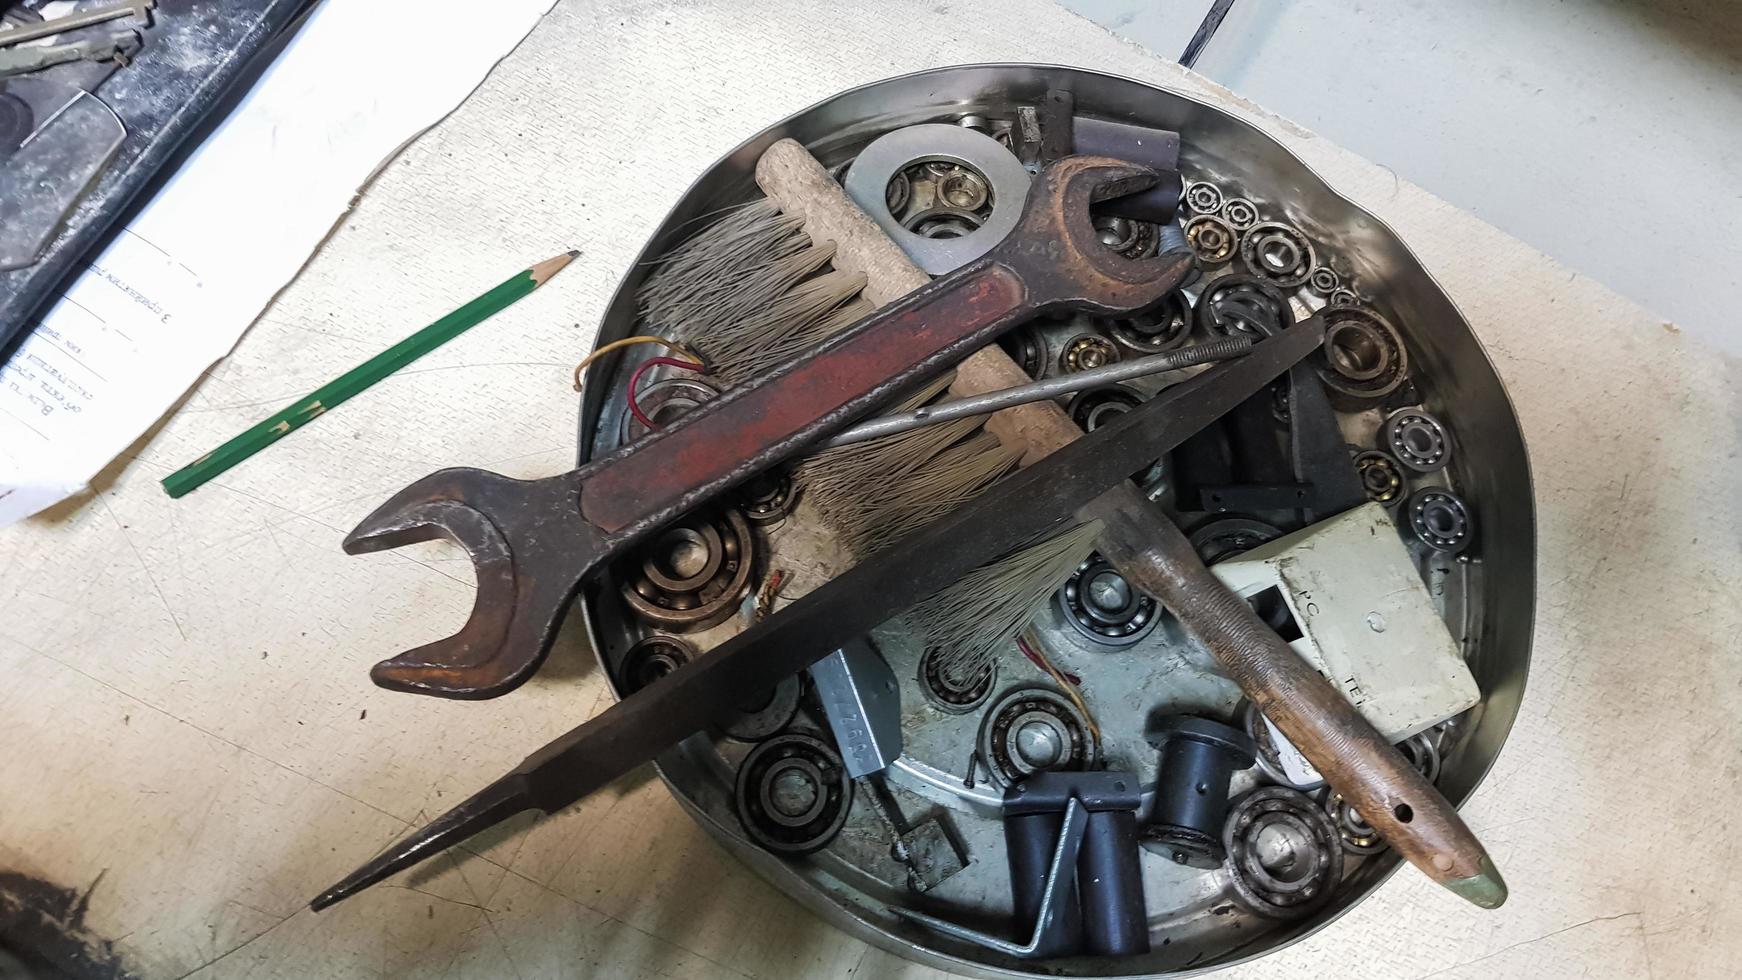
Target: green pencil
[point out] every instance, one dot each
(334, 393)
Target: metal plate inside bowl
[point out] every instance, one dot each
(1485, 594)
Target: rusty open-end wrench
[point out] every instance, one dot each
(534, 541)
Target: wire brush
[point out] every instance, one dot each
(753, 289)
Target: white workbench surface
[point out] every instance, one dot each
(190, 744)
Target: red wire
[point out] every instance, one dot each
(635, 383)
(1034, 658)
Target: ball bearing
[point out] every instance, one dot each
(1104, 608)
(1240, 213)
(1027, 347)
(1034, 729)
(650, 659)
(1363, 358)
(692, 575)
(1380, 476)
(1203, 197)
(792, 794)
(1243, 306)
(1163, 327)
(1440, 520)
(1278, 253)
(1285, 857)
(1230, 537)
(1211, 239)
(768, 497)
(947, 687)
(665, 401)
(1093, 408)
(1324, 281)
(767, 715)
(1086, 351)
(1417, 440)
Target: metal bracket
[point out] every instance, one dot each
(1064, 863)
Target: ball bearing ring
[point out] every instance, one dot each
(792, 794)
(1417, 440)
(1034, 729)
(650, 659)
(1363, 357)
(692, 575)
(1278, 253)
(1211, 239)
(1440, 520)
(1104, 608)
(1285, 857)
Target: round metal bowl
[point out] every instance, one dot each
(1486, 596)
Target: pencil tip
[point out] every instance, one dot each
(574, 253)
(549, 267)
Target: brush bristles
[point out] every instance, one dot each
(741, 339)
(954, 477)
(779, 349)
(746, 293)
(716, 259)
(972, 622)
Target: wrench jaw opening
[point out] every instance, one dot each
(433, 507)
(1055, 245)
(528, 569)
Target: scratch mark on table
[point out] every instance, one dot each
(241, 945)
(144, 567)
(1527, 942)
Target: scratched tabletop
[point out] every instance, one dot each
(190, 747)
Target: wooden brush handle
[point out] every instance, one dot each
(1152, 554)
(793, 179)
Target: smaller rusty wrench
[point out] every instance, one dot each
(533, 542)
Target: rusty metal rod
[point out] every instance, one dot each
(1037, 391)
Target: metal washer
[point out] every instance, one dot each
(867, 183)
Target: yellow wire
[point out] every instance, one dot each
(671, 345)
(1070, 691)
